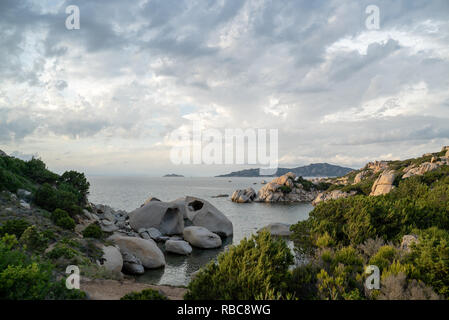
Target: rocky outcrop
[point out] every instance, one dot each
(110, 220)
(407, 241)
(164, 216)
(377, 166)
(203, 214)
(285, 189)
(362, 175)
(278, 229)
(149, 200)
(384, 183)
(145, 250)
(131, 264)
(422, 168)
(332, 195)
(201, 237)
(244, 196)
(112, 259)
(178, 246)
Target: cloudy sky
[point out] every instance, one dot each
(104, 99)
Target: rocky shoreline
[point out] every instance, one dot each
(286, 188)
(178, 226)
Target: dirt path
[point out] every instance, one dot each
(113, 289)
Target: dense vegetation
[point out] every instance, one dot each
(24, 276)
(250, 270)
(339, 240)
(36, 247)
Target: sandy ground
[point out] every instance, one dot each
(113, 289)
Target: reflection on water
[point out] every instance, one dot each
(128, 193)
(179, 269)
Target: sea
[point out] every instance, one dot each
(128, 193)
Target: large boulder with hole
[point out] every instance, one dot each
(203, 214)
(201, 238)
(146, 251)
(164, 216)
(181, 204)
(178, 246)
(112, 259)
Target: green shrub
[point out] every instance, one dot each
(147, 294)
(62, 251)
(62, 219)
(15, 227)
(26, 278)
(384, 257)
(78, 182)
(285, 189)
(246, 271)
(93, 231)
(430, 257)
(33, 239)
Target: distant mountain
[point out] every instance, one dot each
(173, 175)
(312, 170)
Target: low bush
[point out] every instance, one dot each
(33, 240)
(93, 231)
(147, 294)
(14, 227)
(246, 271)
(62, 219)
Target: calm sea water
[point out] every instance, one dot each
(128, 193)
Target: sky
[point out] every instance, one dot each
(104, 99)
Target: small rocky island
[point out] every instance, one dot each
(286, 188)
(173, 175)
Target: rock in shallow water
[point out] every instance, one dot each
(146, 251)
(201, 237)
(203, 214)
(164, 216)
(131, 264)
(178, 246)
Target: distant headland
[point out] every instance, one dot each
(173, 175)
(311, 170)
